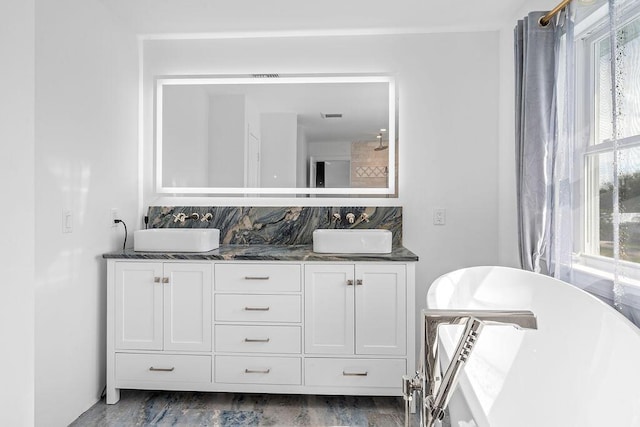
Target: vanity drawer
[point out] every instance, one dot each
(354, 372)
(258, 370)
(258, 308)
(257, 339)
(257, 277)
(163, 368)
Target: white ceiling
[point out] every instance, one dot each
(251, 16)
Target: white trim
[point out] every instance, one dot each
(592, 23)
(592, 267)
(339, 32)
(283, 79)
(587, 112)
(141, 146)
(271, 190)
(199, 200)
(607, 145)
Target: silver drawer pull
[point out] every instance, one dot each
(256, 308)
(256, 277)
(257, 339)
(162, 369)
(257, 371)
(355, 374)
(165, 280)
(359, 282)
(156, 280)
(349, 282)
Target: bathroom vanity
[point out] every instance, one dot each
(260, 319)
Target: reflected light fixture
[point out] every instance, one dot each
(381, 147)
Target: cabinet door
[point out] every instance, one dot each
(381, 309)
(329, 291)
(187, 306)
(138, 306)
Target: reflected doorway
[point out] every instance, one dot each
(330, 172)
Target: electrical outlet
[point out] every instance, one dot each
(113, 215)
(439, 216)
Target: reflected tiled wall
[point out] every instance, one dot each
(276, 225)
(369, 168)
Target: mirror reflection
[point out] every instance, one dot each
(321, 135)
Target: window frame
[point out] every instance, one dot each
(588, 33)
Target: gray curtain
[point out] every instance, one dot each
(535, 139)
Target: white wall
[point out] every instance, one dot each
(227, 140)
(17, 245)
(86, 161)
(330, 149)
(185, 134)
(278, 149)
(448, 150)
(302, 159)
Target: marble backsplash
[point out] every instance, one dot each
(276, 225)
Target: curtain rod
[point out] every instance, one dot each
(544, 21)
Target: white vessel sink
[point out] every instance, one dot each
(176, 240)
(352, 241)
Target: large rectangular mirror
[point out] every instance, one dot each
(277, 135)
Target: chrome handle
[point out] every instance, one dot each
(257, 339)
(349, 282)
(359, 282)
(162, 369)
(257, 371)
(256, 277)
(165, 280)
(355, 374)
(156, 280)
(256, 308)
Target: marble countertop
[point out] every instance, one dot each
(266, 253)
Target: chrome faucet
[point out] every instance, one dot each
(181, 217)
(436, 390)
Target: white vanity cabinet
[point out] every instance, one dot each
(358, 311)
(159, 323)
(163, 306)
(259, 326)
(355, 309)
(258, 314)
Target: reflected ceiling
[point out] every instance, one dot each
(364, 107)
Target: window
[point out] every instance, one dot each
(594, 67)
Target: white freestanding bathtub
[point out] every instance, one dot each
(580, 368)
